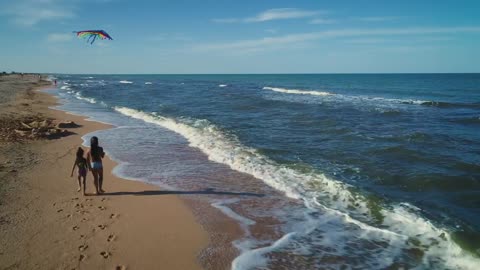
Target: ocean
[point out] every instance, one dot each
(331, 171)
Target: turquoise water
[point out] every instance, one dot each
(369, 171)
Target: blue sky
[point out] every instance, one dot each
(356, 36)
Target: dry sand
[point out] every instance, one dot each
(46, 224)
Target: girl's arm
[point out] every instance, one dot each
(73, 168)
(88, 161)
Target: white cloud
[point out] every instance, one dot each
(378, 19)
(322, 21)
(272, 14)
(31, 12)
(398, 40)
(281, 14)
(295, 39)
(59, 37)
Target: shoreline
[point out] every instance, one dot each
(53, 226)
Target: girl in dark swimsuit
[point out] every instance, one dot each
(81, 164)
(94, 162)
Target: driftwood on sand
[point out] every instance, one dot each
(33, 128)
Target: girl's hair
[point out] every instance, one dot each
(79, 153)
(94, 147)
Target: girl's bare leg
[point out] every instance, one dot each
(100, 180)
(95, 181)
(84, 188)
(79, 185)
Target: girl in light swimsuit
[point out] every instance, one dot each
(94, 162)
(81, 164)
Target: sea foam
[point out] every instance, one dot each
(336, 204)
(297, 91)
(124, 81)
(90, 100)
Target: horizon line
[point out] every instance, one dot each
(296, 73)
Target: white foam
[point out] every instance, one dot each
(148, 83)
(229, 212)
(222, 85)
(90, 100)
(65, 87)
(128, 82)
(255, 258)
(362, 99)
(245, 244)
(297, 91)
(338, 202)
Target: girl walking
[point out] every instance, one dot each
(81, 164)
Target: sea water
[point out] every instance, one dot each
(368, 171)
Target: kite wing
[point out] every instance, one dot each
(92, 35)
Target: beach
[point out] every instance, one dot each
(242, 171)
(46, 224)
(302, 171)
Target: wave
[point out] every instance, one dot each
(65, 87)
(90, 100)
(148, 83)
(440, 104)
(124, 81)
(341, 97)
(474, 120)
(222, 85)
(296, 91)
(394, 228)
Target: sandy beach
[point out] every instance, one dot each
(46, 224)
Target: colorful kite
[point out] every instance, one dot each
(92, 35)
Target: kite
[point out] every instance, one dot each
(93, 35)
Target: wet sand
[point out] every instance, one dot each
(46, 224)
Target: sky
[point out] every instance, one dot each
(205, 37)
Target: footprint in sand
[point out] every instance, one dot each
(79, 205)
(69, 215)
(59, 210)
(104, 199)
(82, 247)
(105, 254)
(81, 257)
(82, 236)
(120, 267)
(102, 208)
(84, 219)
(102, 226)
(110, 238)
(113, 216)
(82, 212)
(75, 228)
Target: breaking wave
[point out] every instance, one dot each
(297, 91)
(349, 217)
(351, 98)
